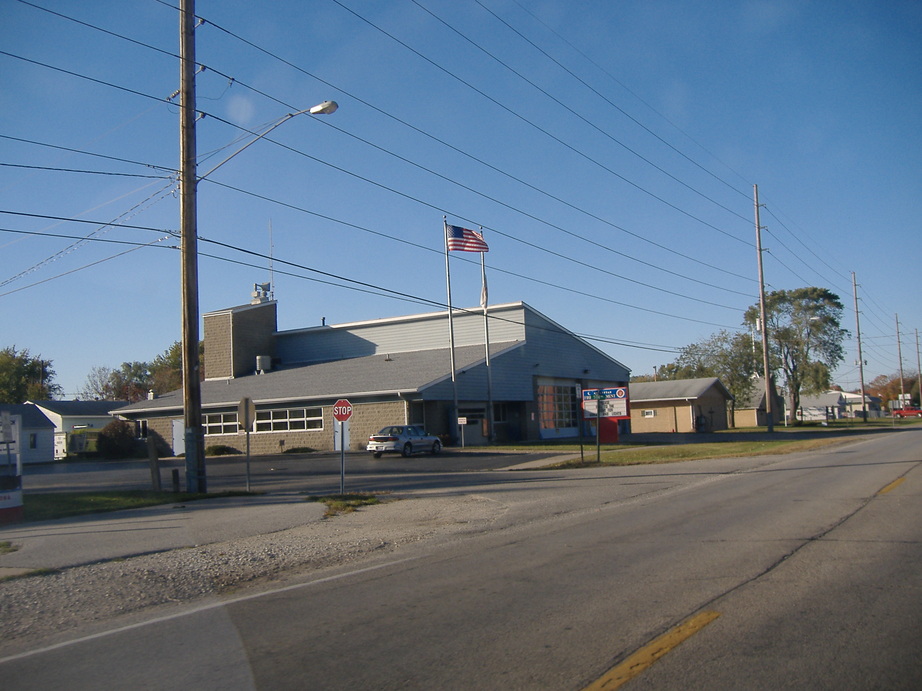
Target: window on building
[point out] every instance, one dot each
(501, 412)
(33, 440)
(558, 406)
(289, 419)
(649, 413)
(220, 423)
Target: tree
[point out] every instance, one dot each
(98, 385)
(166, 370)
(133, 380)
(24, 377)
(805, 337)
(887, 388)
(727, 356)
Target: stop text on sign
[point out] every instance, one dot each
(342, 410)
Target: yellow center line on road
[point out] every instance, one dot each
(622, 673)
(893, 485)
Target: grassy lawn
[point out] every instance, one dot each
(42, 507)
(640, 455)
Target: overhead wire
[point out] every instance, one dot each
(442, 209)
(352, 284)
(139, 43)
(442, 142)
(542, 130)
(571, 109)
(609, 101)
(606, 248)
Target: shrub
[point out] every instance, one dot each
(117, 440)
(220, 450)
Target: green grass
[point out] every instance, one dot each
(46, 506)
(345, 503)
(688, 452)
(6, 547)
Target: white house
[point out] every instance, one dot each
(69, 417)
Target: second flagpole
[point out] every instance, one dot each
(451, 341)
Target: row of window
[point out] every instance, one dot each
(285, 420)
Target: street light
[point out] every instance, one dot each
(324, 108)
(188, 179)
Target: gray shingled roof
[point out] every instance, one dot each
(675, 389)
(372, 375)
(80, 408)
(32, 417)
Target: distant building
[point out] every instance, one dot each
(392, 370)
(751, 411)
(825, 406)
(679, 405)
(36, 437)
(853, 407)
(73, 420)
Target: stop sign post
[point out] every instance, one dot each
(342, 411)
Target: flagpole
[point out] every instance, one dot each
(486, 339)
(451, 338)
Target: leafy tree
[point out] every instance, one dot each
(133, 380)
(887, 388)
(805, 337)
(166, 370)
(727, 356)
(98, 385)
(24, 377)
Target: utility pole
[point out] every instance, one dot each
(918, 369)
(864, 405)
(899, 355)
(191, 367)
(769, 414)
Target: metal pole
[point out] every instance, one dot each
(248, 455)
(459, 433)
(764, 326)
(486, 338)
(864, 405)
(899, 355)
(192, 393)
(342, 457)
(918, 369)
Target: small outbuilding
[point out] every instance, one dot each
(751, 412)
(75, 421)
(36, 436)
(825, 406)
(679, 405)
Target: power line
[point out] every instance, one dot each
(537, 127)
(571, 110)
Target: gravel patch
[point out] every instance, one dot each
(34, 608)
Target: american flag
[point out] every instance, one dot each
(465, 240)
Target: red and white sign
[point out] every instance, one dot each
(342, 409)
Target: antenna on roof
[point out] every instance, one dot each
(271, 281)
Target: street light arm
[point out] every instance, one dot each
(324, 108)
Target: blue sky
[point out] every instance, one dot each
(608, 149)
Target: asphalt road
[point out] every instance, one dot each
(315, 472)
(806, 566)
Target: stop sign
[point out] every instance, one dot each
(342, 409)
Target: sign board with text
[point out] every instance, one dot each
(607, 403)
